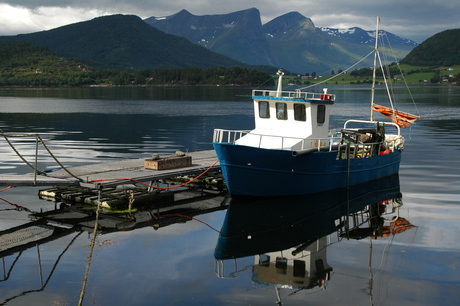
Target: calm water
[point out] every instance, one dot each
(175, 264)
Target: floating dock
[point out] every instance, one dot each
(125, 184)
(113, 173)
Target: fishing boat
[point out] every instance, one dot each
(291, 150)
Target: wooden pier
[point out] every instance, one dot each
(113, 173)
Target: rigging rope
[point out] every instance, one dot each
(336, 75)
(395, 60)
(410, 93)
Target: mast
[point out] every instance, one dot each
(376, 50)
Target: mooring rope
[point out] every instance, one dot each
(55, 158)
(17, 152)
(178, 215)
(38, 138)
(17, 207)
(156, 187)
(92, 244)
(6, 188)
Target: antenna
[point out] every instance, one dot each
(279, 89)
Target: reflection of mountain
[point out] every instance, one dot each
(138, 127)
(289, 235)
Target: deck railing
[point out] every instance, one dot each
(297, 94)
(228, 136)
(284, 143)
(355, 149)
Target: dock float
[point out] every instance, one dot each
(137, 183)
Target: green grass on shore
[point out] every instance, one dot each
(412, 75)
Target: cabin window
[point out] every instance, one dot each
(321, 114)
(264, 109)
(264, 260)
(300, 113)
(299, 268)
(281, 265)
(281, 111)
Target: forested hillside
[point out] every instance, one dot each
(442, 49)
(27, 64)
(124, 42)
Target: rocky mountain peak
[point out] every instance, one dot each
(288, 22)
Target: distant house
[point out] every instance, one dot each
(38, 71)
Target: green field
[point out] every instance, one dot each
(412, 75)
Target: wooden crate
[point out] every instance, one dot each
(170, 162)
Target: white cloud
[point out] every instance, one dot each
(411, 19)
(19, 20)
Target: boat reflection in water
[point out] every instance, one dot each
(289, 236)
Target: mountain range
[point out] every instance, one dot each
(124, 42)
(290, 41)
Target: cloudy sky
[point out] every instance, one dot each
(413, 19)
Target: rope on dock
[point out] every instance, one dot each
(156, 187)
(38, 138)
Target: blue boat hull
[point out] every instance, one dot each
(250, 171)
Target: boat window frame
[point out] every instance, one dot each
(300, 112)
(321, 113)
(264, 112)
(281, 113)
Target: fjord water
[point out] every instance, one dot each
(175, 264)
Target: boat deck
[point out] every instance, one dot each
(115, 173)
